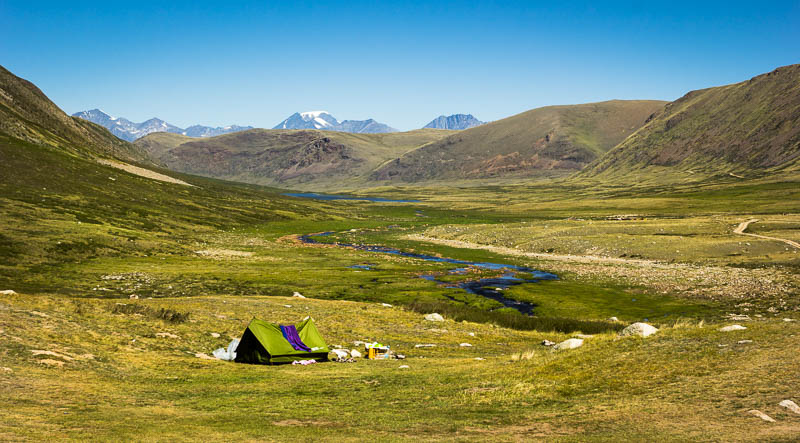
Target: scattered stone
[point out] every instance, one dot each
(761, 415)
(50, 362)
(427, 345)
(403, 367)
(215, 335)
(203, 356)
(8, 292)
(640, 329)
(387, 305)
(166, 335)
(571, 343)
(340, 354)
(548, 343)
(613, 319)
(298, 295)
(732, 328)
(790, 405)
(51, 353)
(465, 345)
(434, 317)
(355, 354)
(744, 342)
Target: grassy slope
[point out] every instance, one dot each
(553, 138)
(27, 114)
(750, 129)
(290, 158)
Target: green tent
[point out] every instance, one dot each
(264, 343)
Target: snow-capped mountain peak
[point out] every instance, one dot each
(130, 131)
(324, 121)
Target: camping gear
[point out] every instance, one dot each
(227, 354)
(290, 333)
(264, 343)
(376, 351)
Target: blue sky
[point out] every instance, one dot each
(402, 63)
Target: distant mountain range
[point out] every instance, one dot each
(455, 121)
(130, 131)
(326, 122)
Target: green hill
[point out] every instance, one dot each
(747, 129)
(289, 158)
(27, 114)
(553, 140)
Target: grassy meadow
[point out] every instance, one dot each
(125, 285)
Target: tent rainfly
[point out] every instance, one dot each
(264, 343)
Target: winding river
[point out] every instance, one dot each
(491, 288)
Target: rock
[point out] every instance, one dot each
(38, 352)
(790, 405)
(8, 292)
(5, 369)
(640, 329)
(340, 354)
(739, 317)
(215, 335)
(744, 342)
(287, 306)
(571, 343)
(479, 358)
(434, 317)
(465, 345)
(298, 295)
(732, 328)
(387, 305)
(50, 362)
(203, 356)
(788, 319)
(400, 356)
(613, 319)
(584, 335)
(134, 297)
(403, 367)
(355, 354)
(471, 334)
(166, 335)
(426, 345)
(548, 343)
(761, 415)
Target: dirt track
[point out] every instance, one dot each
(745, 224)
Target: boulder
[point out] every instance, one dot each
(732, 328)
(571, 343)
(761, 415)
(340, 354)
(790, 405)
(639, 329)
(8, 292)
(434, 317)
